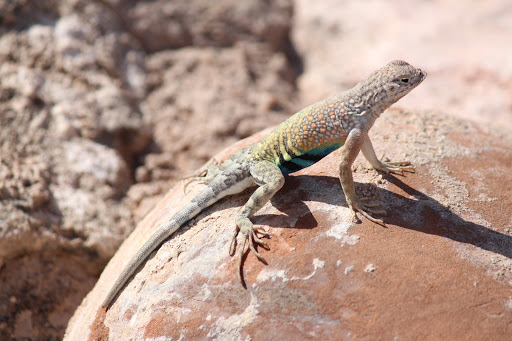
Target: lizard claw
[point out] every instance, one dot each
(399, 167)
(396, 167)
(369, 205)
(366, 209)
(249, 234)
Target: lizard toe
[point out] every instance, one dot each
(366, 211)
(249, 234)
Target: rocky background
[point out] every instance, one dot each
(104, 105)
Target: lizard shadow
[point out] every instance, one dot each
(445, 223)
(291, 199)
(296, 215)
(423, 213)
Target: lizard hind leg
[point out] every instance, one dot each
(213, 168)
(203, 176)
(270, 179)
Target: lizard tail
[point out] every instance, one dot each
(221, 186)
(158, 237)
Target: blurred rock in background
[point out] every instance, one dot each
(104, 105)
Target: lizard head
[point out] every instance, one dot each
(390, 83)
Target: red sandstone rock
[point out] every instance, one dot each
(441, 268)
(105, 104)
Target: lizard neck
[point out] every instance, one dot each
(376, 99)
(364, 102)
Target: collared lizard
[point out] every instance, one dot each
(342, 121)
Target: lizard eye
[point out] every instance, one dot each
(404, 80)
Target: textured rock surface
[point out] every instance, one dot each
(160, 24)
(98, 117)
(105, 104)
(441, 269)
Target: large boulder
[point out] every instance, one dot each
(441, 268)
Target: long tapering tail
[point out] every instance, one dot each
(162, 233)
(233, 180)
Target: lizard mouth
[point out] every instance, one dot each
(423, 74)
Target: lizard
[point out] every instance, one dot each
(340, 122)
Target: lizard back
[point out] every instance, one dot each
(318, 130)
(306, 137)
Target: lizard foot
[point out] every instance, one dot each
(366, 210)
(204, 176)
(397, 167)
(250, 233)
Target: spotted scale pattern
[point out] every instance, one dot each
(308, 136)
(318, 130)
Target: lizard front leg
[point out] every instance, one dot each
(349, 151)
(269, 178)
(382, 166)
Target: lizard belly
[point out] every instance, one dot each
(306, 159)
